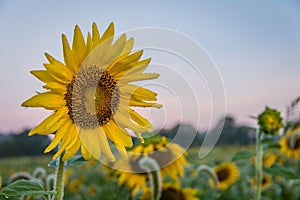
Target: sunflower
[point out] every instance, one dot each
(173, 192)
(270, 121)
(227, 173)
(75, 185)
(269, 159)
(91, 95)
(168, 156)
(288, 149)
(266, 181)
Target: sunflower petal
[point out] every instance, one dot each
(95, 35)
(128, 47)
(56, 87)
(109, 33)
(45, 127)
(68, 55)
(138, 103)
(124, 63)
(113, 136)
(95, 141)
(138, 92)
(58, 70)
(137, 68)
(65, 141)
(122, 134)
(47, 100)
(73, 146)
(43, 76)
(139, 119)
(89, 44)
(78, 47)
(115, 51)
(58, 137)
(137, 77)
(86, 155)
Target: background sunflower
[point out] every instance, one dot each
(227, 173)
(286, 147)
(168, 156)
(173, 192)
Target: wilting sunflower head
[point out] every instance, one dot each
(265, 183)
(290, 144)
(227, 174)
(91, 95)
(173, 192)
(169, 156)
(270, 121)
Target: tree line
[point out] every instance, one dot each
(20, 144)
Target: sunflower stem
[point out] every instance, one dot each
(59, 179)
(259, 154)
(211, 172)
(152, 168)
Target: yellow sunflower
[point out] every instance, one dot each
(266, 181)
(168, 156)
(227, 173)
(269, 159)
(173, 192)
(91, 95)
(288, 149)
(75, 185)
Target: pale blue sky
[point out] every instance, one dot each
(255, 45)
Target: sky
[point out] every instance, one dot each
(255, 46)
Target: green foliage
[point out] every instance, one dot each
(280, 170)
(241, 155)
(24, 187)
(92, 180)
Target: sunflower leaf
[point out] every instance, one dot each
(24, 187)
(273, 146)
(52, 163)
(242, 155)
(76, 160)
(267, 140)
(281, 171)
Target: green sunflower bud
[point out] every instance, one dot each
(270, 121)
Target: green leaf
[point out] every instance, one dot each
(281, 171)
(240, 155)
(273, 146)
(24, 187)
(76, 160)
(267, 140)
(52, 163)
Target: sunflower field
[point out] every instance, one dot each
(235, 169)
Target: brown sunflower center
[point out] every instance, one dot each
(172, 194)
(264, 181)
(92, 97)
(223, 174)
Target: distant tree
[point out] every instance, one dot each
(22, 145)
(235, 134)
